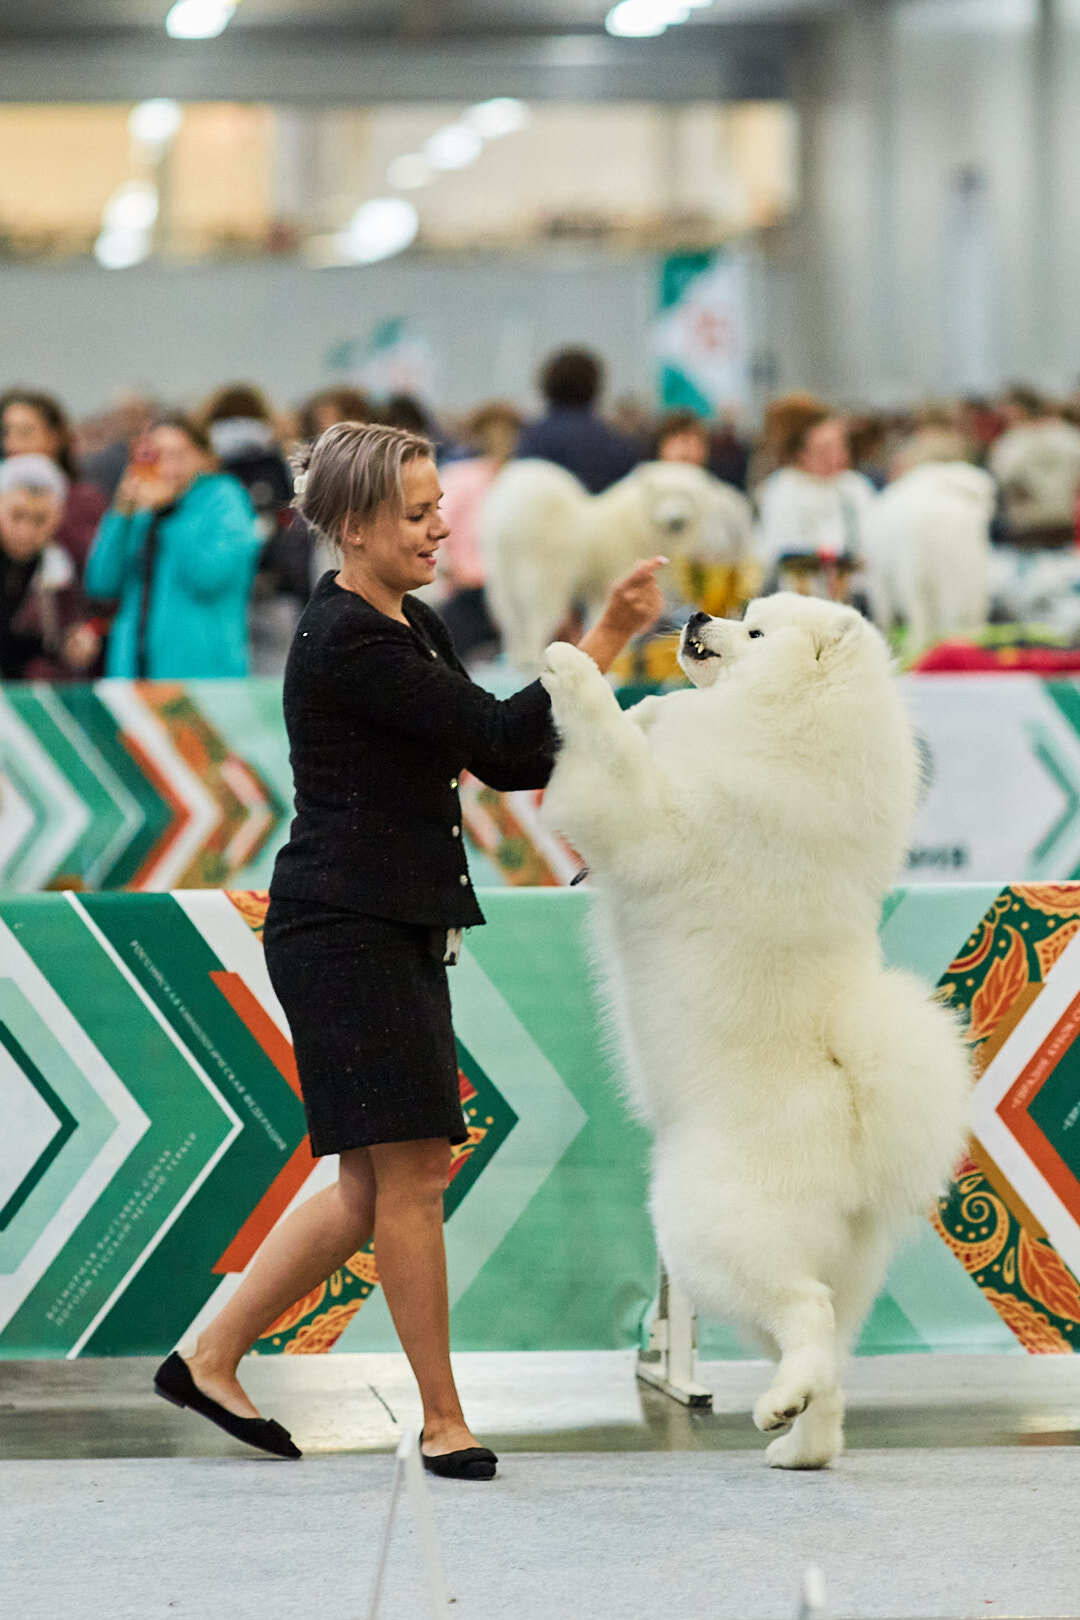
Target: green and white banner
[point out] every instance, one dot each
(702, 337)
(153, 1133)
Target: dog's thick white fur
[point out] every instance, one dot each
(548, 543)
(804, 1101)
(927, 544)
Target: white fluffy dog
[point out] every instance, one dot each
(804, 1101)
(927, 545)
(548, 543)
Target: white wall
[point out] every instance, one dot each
(87, 333)
(894, 296)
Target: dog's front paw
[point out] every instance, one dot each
(803, 1450)
(574, 684)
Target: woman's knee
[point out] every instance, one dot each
(411, 1172)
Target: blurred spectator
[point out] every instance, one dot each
(178, 548)
(631, 417)
(405, 411)
(814, 505)
(240, 423)
(783, 415)
(935, 436)
(491, 433)
(867, 435)
(681, 436)
(571, 433)
(340, 403)
(729, 453)
(980, 423)
(42, 633)
(115, 432)
(1037, 463)
(32, 423)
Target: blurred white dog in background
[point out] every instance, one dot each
(804, 1101)
(549, 544)
(927, 551)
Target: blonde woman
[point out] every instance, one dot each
(368, 901)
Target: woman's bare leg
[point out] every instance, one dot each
(296, 1257)
(410, 1179)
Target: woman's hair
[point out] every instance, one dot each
(190, 428)
(349, 404)
(350, 471)
(674, 423)
(236, 399)
(493, 429)
(55, 418)
(797, 429)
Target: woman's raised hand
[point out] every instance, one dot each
(633, 605)
(636, 602)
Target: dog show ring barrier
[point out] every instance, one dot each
(154, 1134)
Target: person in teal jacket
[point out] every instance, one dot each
(178, 551)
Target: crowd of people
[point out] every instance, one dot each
(146, 543)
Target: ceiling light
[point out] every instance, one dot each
(408, 172)
(644, 19)
(133, 207)
(154, 123)
(199, 19)
(379, 229)
(500, 116)
(119, 250)
(454, 147)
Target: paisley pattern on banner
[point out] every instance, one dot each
(996, 977)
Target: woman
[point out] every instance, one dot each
(240, 425)
(812, 510)
(367, 902)
(491, 434)
(35, 424)
(178, 549)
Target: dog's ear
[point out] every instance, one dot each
(829, 644)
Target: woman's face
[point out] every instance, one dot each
(28, 520)
(825, 450)
(688, 445)
(399, 546)
(179, 461)
(26, 432)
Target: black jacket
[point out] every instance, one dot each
(382, 719)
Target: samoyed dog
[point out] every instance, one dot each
(927, 546)
(804, 1101)
(548, 543)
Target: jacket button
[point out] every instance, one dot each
(453, 784)
(463, 880)
(455, 832)
(433, 653)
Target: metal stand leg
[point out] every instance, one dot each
(669, 1362)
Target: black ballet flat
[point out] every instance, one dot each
(474, 1462)
(173, 1382)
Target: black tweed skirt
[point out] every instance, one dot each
(369, 1010)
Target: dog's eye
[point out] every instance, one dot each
(753, 633)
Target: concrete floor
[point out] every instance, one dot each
(957, 1496)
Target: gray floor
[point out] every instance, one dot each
(958, 1496)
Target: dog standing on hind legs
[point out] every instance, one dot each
(804, 1101)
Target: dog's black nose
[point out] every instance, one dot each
(696, 620)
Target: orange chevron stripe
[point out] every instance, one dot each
(181, 814)
(288, 1181)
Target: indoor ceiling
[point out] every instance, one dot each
(383, 18)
